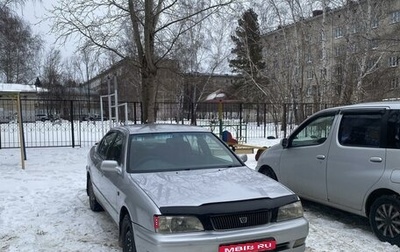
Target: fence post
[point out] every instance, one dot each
(134, 112)
(240, 120)
(284, 123)
(193, 115)
(141, 112)
(265, 120)
(72, 123)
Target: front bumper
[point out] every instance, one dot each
(288, 236)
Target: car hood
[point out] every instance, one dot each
(198, 187)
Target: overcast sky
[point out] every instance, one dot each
(34, 13)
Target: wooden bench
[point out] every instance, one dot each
(247, 149)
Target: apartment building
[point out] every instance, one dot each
(344, 55)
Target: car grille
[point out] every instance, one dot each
(241, 220)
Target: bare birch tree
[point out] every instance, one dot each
(155, 27)
(19, 49)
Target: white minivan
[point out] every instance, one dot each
(348, 158)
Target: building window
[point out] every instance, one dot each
(353, 29)
(338, 32)
(338, 89)
(320, 54)
(308, 92)
(393, 61)
(375, 23)
(395, 17)
(309, 74)
(264, 52)
(311, 90)
(373, 44)
(339, 71)
(394, 83)
(339, 50)
(321, 37)
(354, 68)
(354, 48)
(308, 58)
(356, 28)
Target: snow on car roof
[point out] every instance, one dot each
(379, 104)
(383, 104)
(159, 128)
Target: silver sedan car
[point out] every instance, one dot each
(176, 188)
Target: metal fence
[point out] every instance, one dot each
(53, 123)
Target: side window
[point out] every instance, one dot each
(393, 130)
(361, 130)
(105, 144)
(115, 150)
(315, 132)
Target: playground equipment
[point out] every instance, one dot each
(236, 145)
(113, 103)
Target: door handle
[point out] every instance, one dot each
(376, 159)
(321, 157)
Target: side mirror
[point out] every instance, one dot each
(285, 143)
(110, 166)
(243, 157)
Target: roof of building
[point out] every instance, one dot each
(19, 88)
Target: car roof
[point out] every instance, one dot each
(380, 104)
(160, 128)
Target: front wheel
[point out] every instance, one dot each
(128, 242)
(94, 204)
(385, 219)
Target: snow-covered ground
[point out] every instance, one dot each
(45, 208)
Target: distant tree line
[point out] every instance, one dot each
(19, 48)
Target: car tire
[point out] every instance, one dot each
(267, 171)
(128, 241)
(94, 204)
(384, 218)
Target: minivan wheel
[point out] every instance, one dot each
(94, 204)
(128, 242)
(385, 218)
(267, 171)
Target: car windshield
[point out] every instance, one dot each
(157, 152)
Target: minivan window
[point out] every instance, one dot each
(393, 130)
(315, 132)
(362, 130)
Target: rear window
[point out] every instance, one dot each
(362, 130)
(393, 130)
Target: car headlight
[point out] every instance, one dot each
(290, 211)
(176, 224)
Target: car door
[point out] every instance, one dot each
(113, 179)
(303, 161)
(357, 158)
(100, 154)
